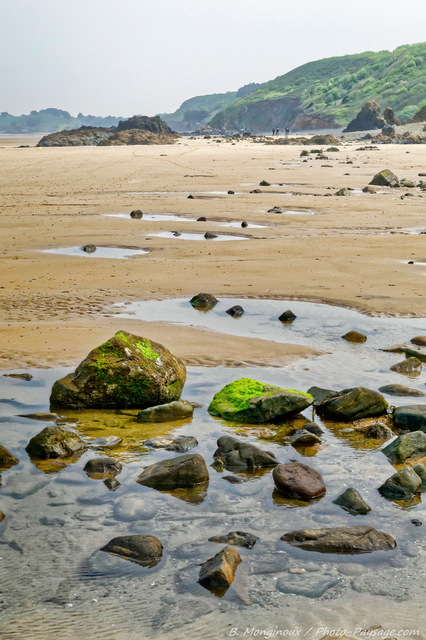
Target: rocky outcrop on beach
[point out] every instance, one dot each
(420, 116)
(136, 130)
(127, 371)
(370, 117)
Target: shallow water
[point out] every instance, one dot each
(118, 253)
(156, 217)
(197, 236)
(56, 582)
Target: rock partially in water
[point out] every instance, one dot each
(184, 471)
(400, 390)
(236, 311)
(410, 417)
(204, 301)
(298, 481)
(172, 443)
(235, 453)
(89, 248)
(254, 402)
(409, 445)
(313, 427)
(350, 540)
(408, 350)
(218, 573)
(55, 442)
(136, 214)
(419, 341)
(354, 336)
(409, 367)
(7, 459)
(209, 235)
(352, 501)
(343, 192)
(19, 376)
(169, 412)
(44, 417)
(402, 485)
(420, 469)
(379, 431)
(103, 467)
(107, 442)
(287, 316)
(237, 539)
(369, 189)
(319, 394)
(304, 438)
(127, 371)
(112, 484)
(385, 178)
(144, 550)
(353, 404)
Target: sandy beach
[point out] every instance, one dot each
(354, 252)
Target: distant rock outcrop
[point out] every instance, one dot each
(420, 116)
(369, 117)
(135, 130)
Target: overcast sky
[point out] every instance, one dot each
(122, 57)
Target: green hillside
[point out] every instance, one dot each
(49, 120)
(330, 92)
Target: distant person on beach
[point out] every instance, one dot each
(277, 132)
(287, 131)
(273, 132)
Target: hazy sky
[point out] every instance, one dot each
(123, 57)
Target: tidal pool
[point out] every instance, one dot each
(118, 253)
(221, 237)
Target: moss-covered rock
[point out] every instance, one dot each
(254, 402)
(385, 178)
(402, 485)
(127, 371)
(408, 446)
(55, 442)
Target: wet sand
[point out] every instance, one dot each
(354, 252)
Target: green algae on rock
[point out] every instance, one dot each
(127, 371)
(55, 442)
(250, 401)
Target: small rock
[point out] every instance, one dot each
(230, 192)
(409, 366)
(350, 540)
(20, 376)
(369, 189)
(209, 235)
(244, 224)
(410, 445)
(402, 485)
(219, 572)
(204, 301)
(133, 507)
(107, 442)
(352, 501)
(169, 412)
(264, 183)
(187, 470)
(313, 427)
(112, 484)
(45, 417)
(176, 234)
(7, 459)
(172, 443)
(416, 523)
(233, 479)
(234, 453)
(309, 586)
(298, 481)
(136, 214)
(143, 549)
(55, 442)
(319, 394)
(2, 516)
(304, 438)
(354, 336)
(256, 191)
(379, 431)
(410, 417)
(103, 467)
(236, 311)
(237, 539)
(401, 390)
(287, 316)
(385, 178)
(419, 341)
(202, 219)
(89, 248)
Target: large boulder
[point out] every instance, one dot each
(184, 471)
(368, 118)
(170, 412)
(234, 453)
(7, 459)
(402, 485)
(250, 401)
(219, 572)
(352, 404)
(298, 481)
(341, 540)
(412, 417)
(142, 549)
(55, 442)
(410, 445)
(127, 371)
(385, 178)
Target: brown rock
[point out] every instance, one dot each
(354, 336)
(296, 480)
(419, 341)
(7, 459)
(409, 366)
(2, 516)
(187, 470)
(341, 540)
(219, 572)
(143, 549)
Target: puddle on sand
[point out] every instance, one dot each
(156, 217)
(295, 212)
(56, 583)
(118, 253)
(197, 236)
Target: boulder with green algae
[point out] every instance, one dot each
(55, 442)
(385, 178)
(127, 371)
(254, 402)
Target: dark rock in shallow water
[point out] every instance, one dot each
(313, 427)
(298, 481)
(319, 394)
(379, 431)
(410, 445)
(350, 540)
(7, 459)
(202, 219)
(103, 466)
(410, 417)
(420, 469)
(353, 404)
(184, 471)
(204, 301)
(234, 453)
(244, 224)
(237, 539)
(19, 376)
(352, 501)
(219, 572)
(402, 485)
(400, 390)
(143, 549)
(416, 522)
(254, 402)
(410, 366)
(233, 479)
(112, 484)
(287, 316)
(385, 178)
(419, 340)
(172, 443)
(209, 235)
(89, 248)
(354, 336)
(136, 214)
(236, 311)
(55, 442)
(169, 412)
(127, 371)
(304, 438)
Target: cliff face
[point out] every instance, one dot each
(420, 116)
(136, 130)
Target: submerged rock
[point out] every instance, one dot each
(385, 178)
(379, 431)
(169, 412)
(410, 417)
(234, 453)
(352, 501)
(103, 466)
(410, 366)
(172, 443)
(236, 311)
(351, 540)
(401, 390)
(304, 438)
(402, 485)
(143, 549)
(353, 404)
(204, 301)
(7, 459)
(55, 442)
(219, 572)
(410, 445)
(107, 442)
(237, 539)
(354, 336)
(298, 481)
(127, 371)
(254, 402)
(312, 585)
(184, 471)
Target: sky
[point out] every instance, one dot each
(123, 57)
